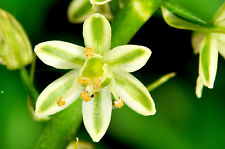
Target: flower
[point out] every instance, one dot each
(97, 73)
(208, 39)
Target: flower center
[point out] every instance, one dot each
(89, 52)
(60, 102)
(118, 103)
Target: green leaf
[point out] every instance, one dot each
(219, 18)
(61, 55)
(97, 33)
(128, 57)
(182, 23)
(208, 60)
(65, 88)
(99, 2)
(97, 114)
(134, 93)
(15, 47)
(79, 10)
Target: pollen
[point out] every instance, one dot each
(84, 95)
(89, 52)
(83, 80)
(97, 81)
(118, 103)
(60, 102)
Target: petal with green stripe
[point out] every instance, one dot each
(181, 23)
(219, 18)
(99, 2)
(134, 93)
(79, 10)
(208, 60)
(97, 114)
(59, 94)
(221, 43)
(61, 55)
(97, 33)
(128, 57)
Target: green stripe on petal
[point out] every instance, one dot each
(61, 55)
(208, 60)
(79, 10)
(65, 87)
(97, 114)
(134, 93)
(99, 2)
(97, 33)
(128, 57)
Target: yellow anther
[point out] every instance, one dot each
(97, 81)
(60, 102)
(89, 52)
(84, 95)
(118, 103)
(83, 80)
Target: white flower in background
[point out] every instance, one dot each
(97, 73)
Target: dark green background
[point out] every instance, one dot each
(182, 121)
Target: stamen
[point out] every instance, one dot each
(85, 96)
(83, 80)
(60, 102)
(118, 103)
(89, 52)
(97, 81)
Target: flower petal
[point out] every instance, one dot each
(97, 114)
(97, 33)
(179, 22)
(79, 10)
(134, 93)
(199, 87)
(128, 57)
(99, 2)
(61, 55)
(221, 43)
(65, 88)
(197, 41)
(208, 60)
(219, 18)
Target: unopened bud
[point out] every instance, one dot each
(15, 47)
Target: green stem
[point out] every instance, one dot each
(32, 70)
(160, 81)
(61, 128)
(130, 19)
(28, 83)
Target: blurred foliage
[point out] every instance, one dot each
(182, 120)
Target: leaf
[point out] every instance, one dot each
(61, 55)
(134, 93)
(128, 57)
(208, 60)
(97, 114)
(97, 33)
(65, 88)
(79, 10)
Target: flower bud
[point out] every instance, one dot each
(15, 47)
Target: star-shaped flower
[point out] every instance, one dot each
(98, 73)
